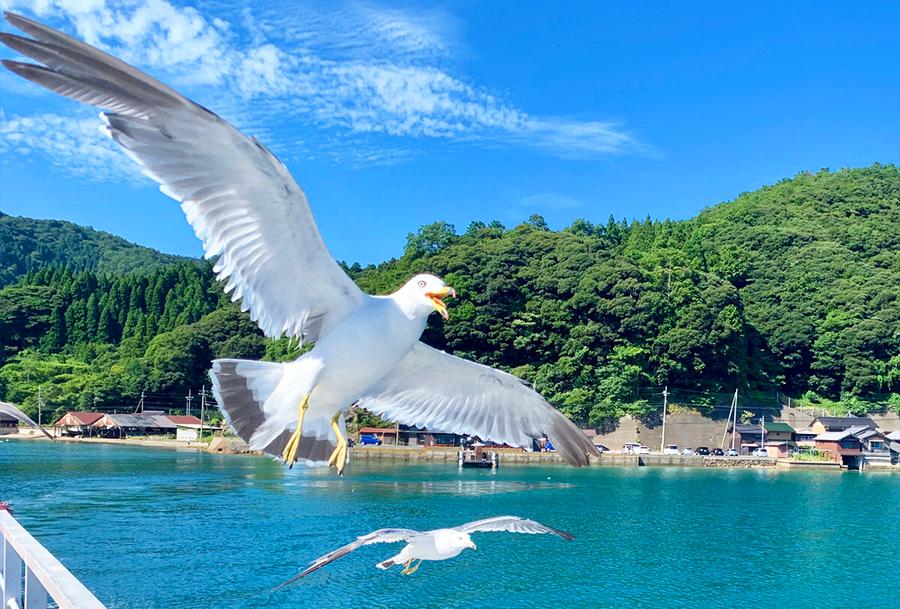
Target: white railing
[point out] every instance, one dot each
(44, 574)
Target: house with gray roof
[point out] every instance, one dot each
(146, 423)
(842, 447)
(822, 424)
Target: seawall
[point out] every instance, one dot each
(693, 429)
(513, 457)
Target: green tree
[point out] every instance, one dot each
(429, 240)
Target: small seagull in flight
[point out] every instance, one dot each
(439, 544)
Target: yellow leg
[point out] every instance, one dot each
(290, 451)
(406, 570)
(414, 569)
(339, 455)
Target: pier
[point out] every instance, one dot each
(478, 457)
(44, 576)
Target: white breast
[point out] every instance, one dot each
(361, 350)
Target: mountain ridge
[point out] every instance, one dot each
(29, 244)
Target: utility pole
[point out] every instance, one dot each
(734, 424)
(187, 406)
(730, 414)
(140, 406)
(202, 409)
(662, 443)
(40, 404)
(762, 433)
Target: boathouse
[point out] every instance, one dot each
(147, 423)
(842, 447)
(76, 423)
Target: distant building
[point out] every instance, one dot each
(406, 435)
(147, 423)
(872, 440)
(8, 424)
(76, 423)
(595, 439)
(417, 436)
(820, 425)
(387, 435)
(805, 438)
(875, 446)
(779, 440)
(748, 437)
(842, 447)
(187, 427)
(894, 446)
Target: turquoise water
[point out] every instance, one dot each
(155, 528)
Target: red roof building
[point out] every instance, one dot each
(77, 419)
(183, 419)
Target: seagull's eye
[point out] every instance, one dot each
(421, 283)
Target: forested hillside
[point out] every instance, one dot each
(30, 245)
(793, 287)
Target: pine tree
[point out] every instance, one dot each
(92, 317)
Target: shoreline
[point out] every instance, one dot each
(428, 454)
(30, 434)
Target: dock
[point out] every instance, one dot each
(478, 457)
(44, 576)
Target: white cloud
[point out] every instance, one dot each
(74, 145)
(262, 72)
(351, 69)
(149, 33)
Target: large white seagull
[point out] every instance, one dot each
(250, 212)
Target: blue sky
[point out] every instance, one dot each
(393, 115)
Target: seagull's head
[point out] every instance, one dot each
(464, 541)
(429, 292)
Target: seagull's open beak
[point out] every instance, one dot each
(437, 298)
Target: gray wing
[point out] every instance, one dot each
(12, 411)
(379, 536)
(444, 393)
(511, 524)
(241, 201)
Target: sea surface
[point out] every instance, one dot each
(158, 528)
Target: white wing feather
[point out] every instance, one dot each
(379, 536)
(511, 524)
(434, 390)
(241, 201)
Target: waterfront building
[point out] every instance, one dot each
(8, 424)
(820, 425)
(75, 423)
(842, 447)
(749, 437)
(147, 423)
(187, 427)
(387, 435)
(780, 440)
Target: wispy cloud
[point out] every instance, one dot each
(382, 78)
(74, 146)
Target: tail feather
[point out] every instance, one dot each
(387, 564)
(241, 388)
(244, 391)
